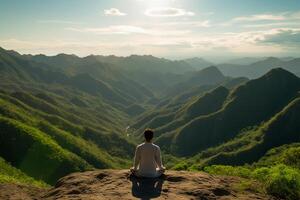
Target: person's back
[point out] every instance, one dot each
(147, 159)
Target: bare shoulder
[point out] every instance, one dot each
(156, 146)
(140, 145)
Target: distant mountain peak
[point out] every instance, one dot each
(279, 72)
(10, 52)
(211, 69)
(268, 61)
(209, 74)
(195, 59)
(198, 63)
(66, 55)
(272, 58)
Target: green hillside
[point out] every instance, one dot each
(173, 112)
(35, 141)
(9, 174)
(37, 112)
(252, 144)
(35, 153)
(287, 154)
(54, 125)
(247, 105)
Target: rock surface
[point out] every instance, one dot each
(117, 184)
(20, 192)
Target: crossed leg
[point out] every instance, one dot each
(158, 173)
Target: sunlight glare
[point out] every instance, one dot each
(156, 3)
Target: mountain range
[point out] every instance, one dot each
(64, 113)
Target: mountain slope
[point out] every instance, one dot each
(259, 68)
(247, 105)
(84, 117)
(245, 60)
(9, 174)
(35, 153)
(287, 154)
(208, 76)
(170, 113)
(253, 145)
(206, 104)
(44, 69)
(70, 135)
(198, 63)
(105, 72)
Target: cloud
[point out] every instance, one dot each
(279, 17)
(261, 17)
(114, 12)
(127, 30)
(265, 20)
(54, 21)
(164, 40)
(276, 24)
(119, 29)
(167, 12)
(84, 48)
(295, 15)
(275, 41)
(282, 36)
(205, 23)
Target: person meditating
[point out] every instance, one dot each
(147, 158)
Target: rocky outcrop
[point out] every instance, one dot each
(11, 191)
(118, 184)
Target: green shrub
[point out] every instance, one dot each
(292, 157)
(261, 174)
(181, 166)
(283, 182)
(228, 170)
(280, 181)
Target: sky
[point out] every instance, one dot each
(164, 28)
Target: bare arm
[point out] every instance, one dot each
(158, 159)
(137, 157)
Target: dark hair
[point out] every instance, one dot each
(148, 134)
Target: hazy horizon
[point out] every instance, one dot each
(212, 59)
(172, 29)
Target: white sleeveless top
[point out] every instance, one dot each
(147, 160)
